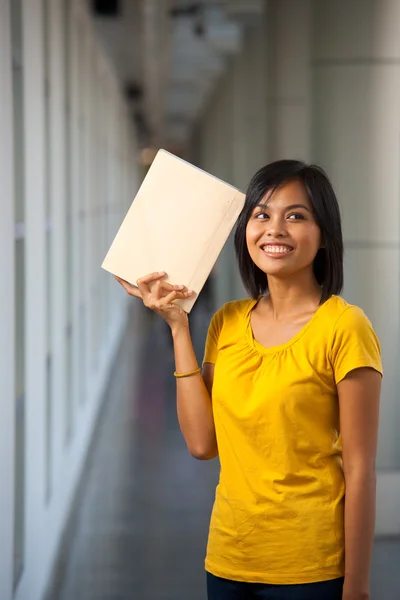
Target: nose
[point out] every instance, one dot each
(276, 227)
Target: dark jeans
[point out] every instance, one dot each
(225, 589)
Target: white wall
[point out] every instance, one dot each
(79, 175)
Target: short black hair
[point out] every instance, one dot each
(328, 263)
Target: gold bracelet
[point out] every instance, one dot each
(179, 375)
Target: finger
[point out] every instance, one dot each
(175, 295)
(119, 279)
(158, 289)
(161, 289)
(145, 283)
(149, 278)
(155, 296)
(169, 286)
(130, 289)
(155, 290)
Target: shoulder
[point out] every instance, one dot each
(234, 311)
(231, 314)
(237, 308)
(354, 342)
(351, 328)
(225, 325)
(343, 315)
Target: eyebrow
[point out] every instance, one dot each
(291, 207)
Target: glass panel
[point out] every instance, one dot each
(49, 408)
(69, 246)
(82, 348)
(19, 484)
(20, 318)
(16, 31)
(49, 241)
(19, 200)
(49, 415)
(18, 143)
(82, 175)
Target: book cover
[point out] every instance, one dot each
(178, 222)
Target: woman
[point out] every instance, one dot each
(288, 398)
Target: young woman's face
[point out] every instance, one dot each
(282, 235)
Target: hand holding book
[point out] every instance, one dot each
(179, 221)
(159, 296)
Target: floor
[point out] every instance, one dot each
(140, 524)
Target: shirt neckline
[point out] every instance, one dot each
(274, 349)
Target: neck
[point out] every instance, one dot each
(290, 296)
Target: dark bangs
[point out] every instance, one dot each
(328, 263)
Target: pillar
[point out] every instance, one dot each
(288, 95)
(356, 120)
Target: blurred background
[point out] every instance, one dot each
(99, 496)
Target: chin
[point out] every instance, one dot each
(274, 270)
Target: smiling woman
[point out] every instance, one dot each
(276, 231)
(292, 372)
(288, 399)
(291, 205)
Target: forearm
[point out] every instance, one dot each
(194, 405)
(360, 502)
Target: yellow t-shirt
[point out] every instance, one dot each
(278, 511)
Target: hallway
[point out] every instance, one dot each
(140, 523)
(140, 527)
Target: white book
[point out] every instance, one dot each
(178, 222)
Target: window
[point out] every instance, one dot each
(69, 412)
(49, 241)
(18, 125)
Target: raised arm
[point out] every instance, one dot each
(194, 405)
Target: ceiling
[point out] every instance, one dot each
(169, 55)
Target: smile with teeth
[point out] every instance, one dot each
(276, 249)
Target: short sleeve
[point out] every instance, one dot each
(214, 330)
(354, 344)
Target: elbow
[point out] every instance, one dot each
(201, 453)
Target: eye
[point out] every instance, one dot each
(261, 216)
(296, 217)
